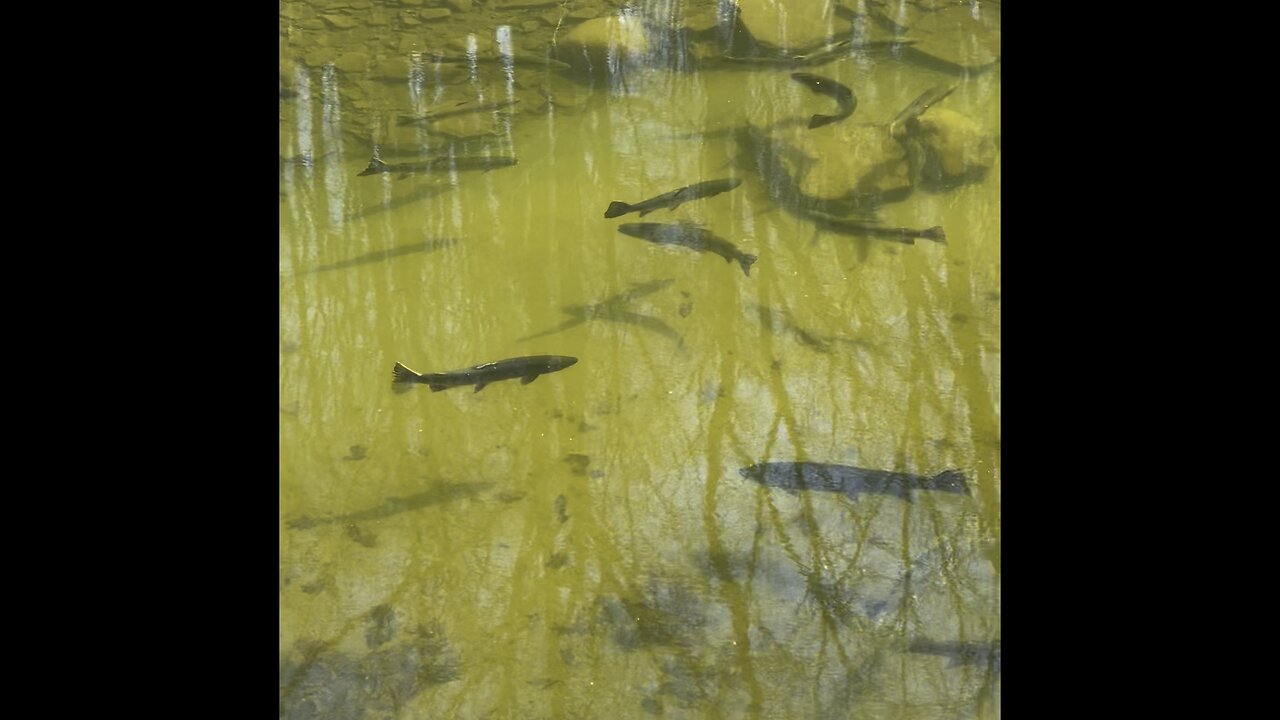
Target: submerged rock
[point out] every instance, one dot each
(789, 25)
(605, 45)
(949, 149)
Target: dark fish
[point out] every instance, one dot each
(526, 368)
(379, 255)
(845, 226)
(927, 99)
(960, 652)
(287, 94)
(439, 164)
(431, 117)
(851, 481)
(690, 236)
(675, 198)
(826, 86)
(440, 492)
(920, 58)
(821, 56)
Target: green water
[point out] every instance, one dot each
(583, 545)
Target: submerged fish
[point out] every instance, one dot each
(845, 226)
(431, 117)
(851, 481)
(927, 99)
(439, 164)
(843, 96)
(690, 236)
(675, 198)
(526, 368)
(439, 492)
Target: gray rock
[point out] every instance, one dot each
(460, 5)
(790, 25)
(432, 14)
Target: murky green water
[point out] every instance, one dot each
(584, 545)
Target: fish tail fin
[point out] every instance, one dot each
(746, 261)
(401, 377)
(617, 208)
(375, 166)
(952, 481)
(935, 234)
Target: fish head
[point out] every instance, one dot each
(950, 481)
(560, 362)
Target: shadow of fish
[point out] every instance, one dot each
(439, 492)
(843, 96)
(613, 309)
(431, 117)
(409, 198)
(501, 59)
(440, 164)
(780, 320)
(690, 236)
(851, 481)
(675, 198)
(960, 652)
(920, 58)
(380, 255)
(526, 368)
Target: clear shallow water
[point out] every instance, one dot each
(584, 544)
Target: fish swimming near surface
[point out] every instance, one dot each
(439, 164)
(526, 368)
(675, 198)
(851, 481)
(690, 236)
(843, 96)
(927, 99)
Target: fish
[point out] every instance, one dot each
(858, 228)
(431, 117)
(851, 481)
(526, 368)
(675, 198)
(439, 492)
(690, 236)
(821, 56)
(843, 96)
(927, 99)
(439, 164)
